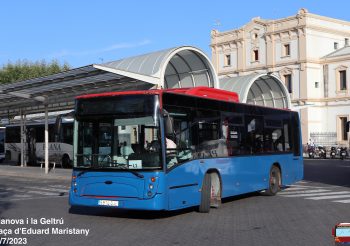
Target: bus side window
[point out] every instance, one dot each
(287, 136)
(13, 134)
(273, 140)
(206, 131)
(233, 131)
(254, 140)
(67, 134)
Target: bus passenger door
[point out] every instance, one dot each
(183, 185)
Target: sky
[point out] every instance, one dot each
(83, 32)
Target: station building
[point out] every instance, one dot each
(309, 53)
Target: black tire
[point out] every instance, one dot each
(19, 160)
(66, 162)
(8, 156)
(204, 206)
(274, 181)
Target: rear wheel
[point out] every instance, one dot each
(204, 206)
(66, 162)
(274, 181)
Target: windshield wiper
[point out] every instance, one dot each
(81, 173)
(139, 175)
(126, 167)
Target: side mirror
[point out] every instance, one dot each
(169, 124)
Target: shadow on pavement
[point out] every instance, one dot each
(5, 194)
(332, 172)
(146, 215)
(5, 204)
(240, 197)
(130, 214)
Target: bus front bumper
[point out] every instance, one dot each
(157, 202)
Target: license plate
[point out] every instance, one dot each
(108, 203)
(342, 153)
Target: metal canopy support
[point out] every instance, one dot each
(22, 138)
(25, 155)
(46, 140)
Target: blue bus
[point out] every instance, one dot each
(178, 148)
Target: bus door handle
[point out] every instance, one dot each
(201, 161)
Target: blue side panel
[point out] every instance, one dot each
(247, 174)
(239, 175)
(183, 185)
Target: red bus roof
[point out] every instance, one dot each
(200, 91)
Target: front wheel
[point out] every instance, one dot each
(204, 206)
(274, 181)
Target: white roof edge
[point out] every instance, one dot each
(284, 88)
(244, 90)
(148, 79)
(176, 50)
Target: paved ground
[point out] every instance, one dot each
(303, 214)
(34, 172)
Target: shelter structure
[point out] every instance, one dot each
(258, 89)
(178, 67)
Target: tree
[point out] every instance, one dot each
(23, 69)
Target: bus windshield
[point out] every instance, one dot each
(109, 139)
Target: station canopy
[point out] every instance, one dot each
(178, 67)
(258, 89)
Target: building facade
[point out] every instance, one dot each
(309, 53)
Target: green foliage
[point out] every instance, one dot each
(23, 69)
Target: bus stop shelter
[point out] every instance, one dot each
(178, 67)
(259, 89)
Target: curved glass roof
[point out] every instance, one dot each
(258, 89)
(184, 66)
(179, 67)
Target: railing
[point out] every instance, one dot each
(326, 139)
